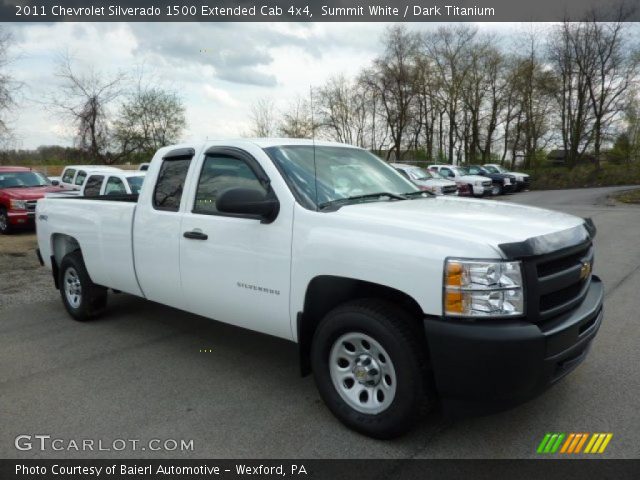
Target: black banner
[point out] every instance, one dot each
(315, 469)
(315, 10)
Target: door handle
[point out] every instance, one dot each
(195, 235)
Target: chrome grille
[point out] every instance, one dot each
(486, 183)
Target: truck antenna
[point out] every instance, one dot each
(313, 142)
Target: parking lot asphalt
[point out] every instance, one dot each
(145, 371)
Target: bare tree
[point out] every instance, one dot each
(298, 120)
(8, 87)
(84, 97)
(450, 47)
(263, 118)
(149, 119)
(393, 79)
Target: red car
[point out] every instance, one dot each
(20, 189)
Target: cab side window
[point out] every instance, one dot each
(446, 172)
(114, 186)
(92, 188)
(170, 184)
(474, 171)
(219, 173)
(68, 175)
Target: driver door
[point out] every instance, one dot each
(234, 268)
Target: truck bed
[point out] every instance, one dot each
(102, 226)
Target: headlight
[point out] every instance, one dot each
(476, 288)
(18, 204)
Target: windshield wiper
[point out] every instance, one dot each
(344, 201)
(418, 193)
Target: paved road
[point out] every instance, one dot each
(139, 373)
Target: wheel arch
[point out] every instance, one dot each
(61, 245)
(325, 292)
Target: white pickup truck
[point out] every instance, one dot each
(397, 298)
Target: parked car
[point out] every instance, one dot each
(73, 176)
(112, 183)
(425, 180)
(397, 299)
(20, 189)
(523, 180)
(501, 182)
(468, 184)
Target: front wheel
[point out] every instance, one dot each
(369, 362)
(82, 298)
(496, 189)
(5, 226)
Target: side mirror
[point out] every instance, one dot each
(55, 183)
(248, 201)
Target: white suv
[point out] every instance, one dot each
(425, 180)
(475, 185)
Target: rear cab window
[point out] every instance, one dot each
(167, 193)
(114, 186)
(80, 177)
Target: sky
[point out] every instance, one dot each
(218, 69)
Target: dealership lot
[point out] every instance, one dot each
(145, 371)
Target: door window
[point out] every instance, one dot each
(219, 173)
(92, 188)
(68, 175)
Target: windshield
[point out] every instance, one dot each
(338, 173)
(23, 180)
(135, 183)
(491, 169)
(419, 174)
(462, 170)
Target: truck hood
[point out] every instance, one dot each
(479, 221)
(472, 178)
(434, 182)
(29, 193)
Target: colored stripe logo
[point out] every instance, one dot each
(573, 443)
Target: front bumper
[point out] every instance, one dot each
(21, 217)
(488, 366)
(482, 190)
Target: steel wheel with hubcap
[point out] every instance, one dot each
(362, 373)
(72, 287)
(369, 361)
(496, 189)
(82, 298)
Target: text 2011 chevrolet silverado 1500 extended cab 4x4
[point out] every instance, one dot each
(396, 297)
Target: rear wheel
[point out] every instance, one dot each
(5, 226)
(369, 362)
(82, 298)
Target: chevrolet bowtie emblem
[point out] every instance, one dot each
(585, 270)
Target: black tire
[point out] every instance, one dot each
(92, 298)
(499, 190)
(5, 226)
(398, 333)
